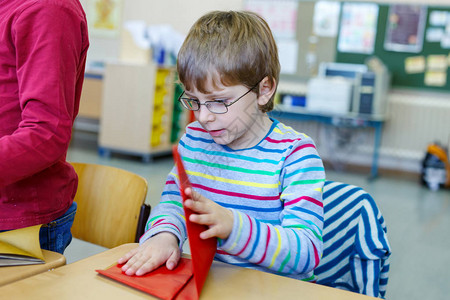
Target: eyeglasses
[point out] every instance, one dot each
(215, 106)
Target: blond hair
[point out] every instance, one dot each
(238, 45)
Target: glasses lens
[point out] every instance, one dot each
(190, 104)
(216, 107)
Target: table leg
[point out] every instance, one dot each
(376, 149)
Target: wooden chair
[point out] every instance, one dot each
(356, 249)
(111, 209)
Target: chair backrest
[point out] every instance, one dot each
(356, 248)
(110, 202)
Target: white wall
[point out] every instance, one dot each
(181, 14)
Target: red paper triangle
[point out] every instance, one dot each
(202, 251)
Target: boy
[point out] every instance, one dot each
(258, 184)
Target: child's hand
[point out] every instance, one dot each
(157, 250)
(206, 212)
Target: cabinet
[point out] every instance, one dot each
(89, 111)
(137, 110)
(91, 96)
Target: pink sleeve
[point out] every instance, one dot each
(50, 43)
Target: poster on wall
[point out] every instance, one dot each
(326, 18)
(405, 28)
(281, 16)
(439, 28)
(358, 28)
(104, 17)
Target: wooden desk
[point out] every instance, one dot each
(14, 273)
(80, 281)
(351, 120)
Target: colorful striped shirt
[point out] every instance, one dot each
(274, 190)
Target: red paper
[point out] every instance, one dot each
(186, 281)
(189, 291)
(202, 251)
(162, 282)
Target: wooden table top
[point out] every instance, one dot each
(14, 273)
(79, 280)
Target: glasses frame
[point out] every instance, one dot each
(226, 105)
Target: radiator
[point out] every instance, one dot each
(414, 121)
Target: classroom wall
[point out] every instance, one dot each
(415, 117)
(430, 2)
(405, 136)
(180, 14)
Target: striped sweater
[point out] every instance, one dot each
(274, 190)
(356, 246)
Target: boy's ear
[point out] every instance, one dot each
(267, 88)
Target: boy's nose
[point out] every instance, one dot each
(204, 115)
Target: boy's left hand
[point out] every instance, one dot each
(206, 212)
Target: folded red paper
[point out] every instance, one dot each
(202, 251)
(187, 280)
(162, 282)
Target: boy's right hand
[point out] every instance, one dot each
(157, 250)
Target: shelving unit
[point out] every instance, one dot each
(137, 110)
(90, 103)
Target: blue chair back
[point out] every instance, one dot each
(356, 248)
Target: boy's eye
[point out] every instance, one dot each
(192, 101)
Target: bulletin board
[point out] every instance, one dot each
(396, 61)
(325, 48)
(311, 48)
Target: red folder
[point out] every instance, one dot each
(186, 281)
(161, 283)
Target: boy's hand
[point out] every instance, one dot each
(157, 250)
(206, 212)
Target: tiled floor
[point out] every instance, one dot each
(418, 221)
